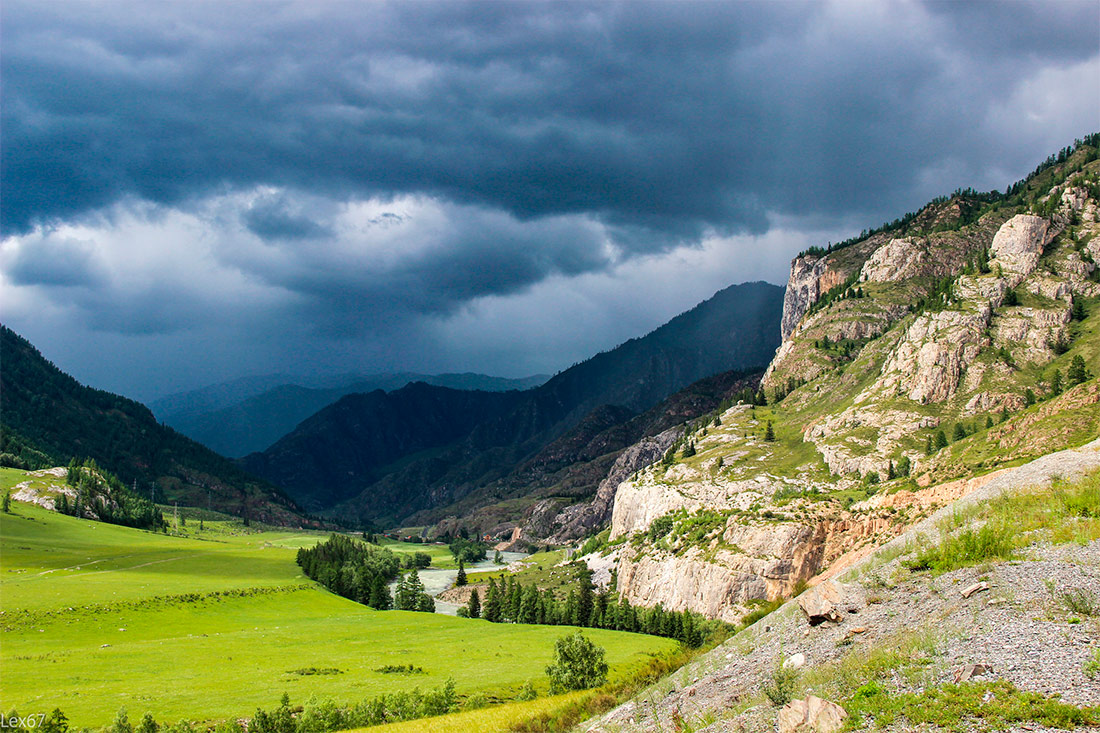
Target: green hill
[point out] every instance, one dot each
(48, 418)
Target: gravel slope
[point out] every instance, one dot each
(1019, 626)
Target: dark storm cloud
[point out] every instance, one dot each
(56, 262)
(278, 218)
(429, 259)
(238, 176)
(670, 117)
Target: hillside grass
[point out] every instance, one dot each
(97, 617)
(997, 529)
(541, 568)
(440, 553)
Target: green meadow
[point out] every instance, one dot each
(95, 617)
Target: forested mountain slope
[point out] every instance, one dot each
(245, 416)
(48, 411)
(426, 469)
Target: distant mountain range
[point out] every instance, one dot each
(48, 417)
(386, 457)
(249, 414)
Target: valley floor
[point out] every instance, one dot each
(97, 617)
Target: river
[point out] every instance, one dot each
(437, 580)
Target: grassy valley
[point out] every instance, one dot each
(212, 625)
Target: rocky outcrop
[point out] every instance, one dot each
(898, 259)
(581, 519)
(751, 561)
(926, 342)
(803, 290)
(935, 351)
(1032, 331)
(1018, 245)
(812, 715)
(861, 456)
(831, 601)
(813, 275)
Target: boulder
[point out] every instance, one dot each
(811, 714)
(830, 601)
(1019, 243)
(969, 671)
(795, 661)
(976, 588)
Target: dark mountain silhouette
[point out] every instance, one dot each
(422, 448)
(247, 415)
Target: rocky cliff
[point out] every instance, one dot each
(919, 354)
(916, 642)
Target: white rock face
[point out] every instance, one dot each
(931, 358)
(848, 457)
(898, 259)
(1031, 331)
(638, 503)
(812, 715)
(803, 289)
(720, 585)
(1019, 243)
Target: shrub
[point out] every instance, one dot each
(969, 547)
(1081, 601)
(781, 687)
(578, 664)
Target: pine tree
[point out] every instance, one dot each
(959, 433)
(515, 600)
(492, 603)
(1078, 312)
(689, 450)
(904, 466)
(1056, 382)
(584, 598)
(460, 579)
(769, 432)
(1077, 371)
(1004, 413)
(569, 612)
(5, 503)
(890, 474)
(380, 594)
(401, 595)
(941, 440)
(1029, 397)
(473, 608)
(529, 606)
(928, 449)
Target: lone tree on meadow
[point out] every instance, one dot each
(769, 432)
(578, 664)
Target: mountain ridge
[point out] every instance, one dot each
(248, 415)
(915, 357)
(735, 328)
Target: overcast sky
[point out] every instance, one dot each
(194, 191)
